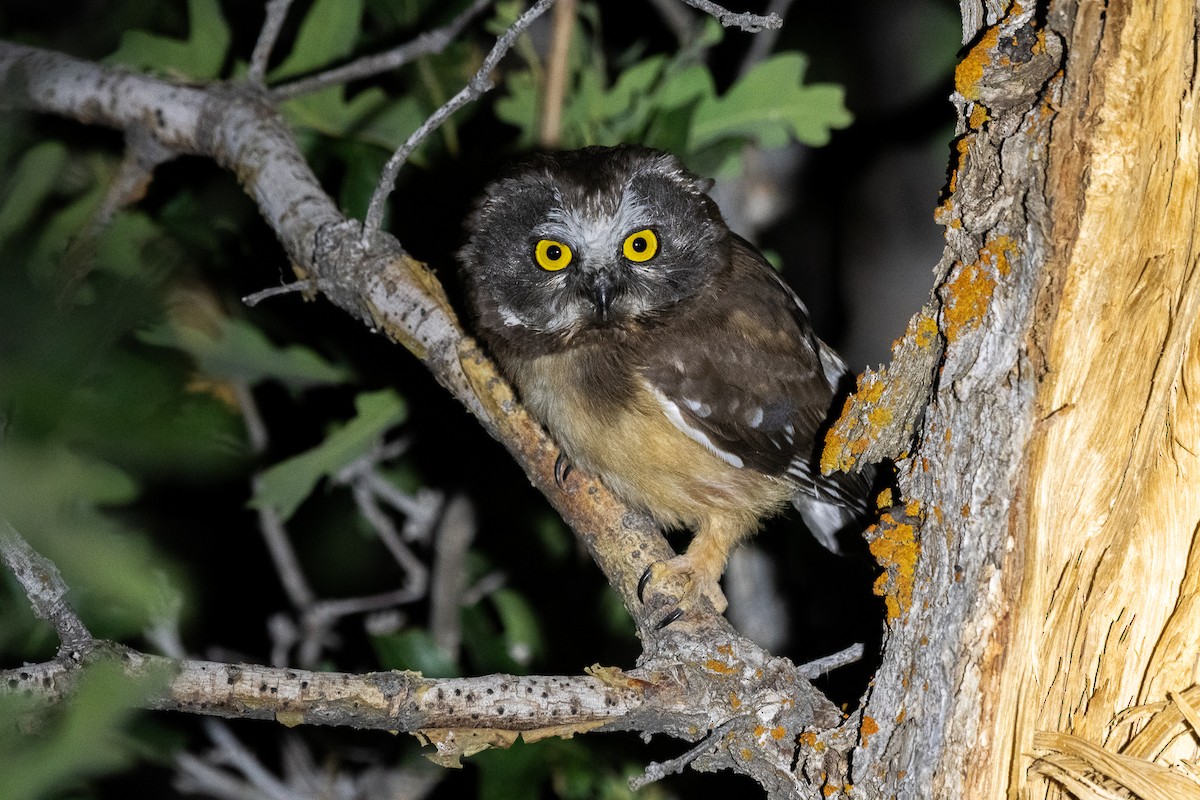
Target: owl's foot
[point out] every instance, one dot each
(680, 582)
(562, 468)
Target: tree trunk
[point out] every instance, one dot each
(1053, 579)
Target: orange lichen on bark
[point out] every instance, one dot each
(719, 667)
(894, 546)
(979, 116)
(840, 454)
(969, 71)
(961, 145)
(925, 330)
(969, 293)
(778, 732)
(967, 296)
(869, 728)
(998, 250)
(734, 702)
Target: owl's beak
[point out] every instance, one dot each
(602, 288)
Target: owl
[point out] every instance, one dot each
(660, 350)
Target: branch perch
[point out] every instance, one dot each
(691, 676)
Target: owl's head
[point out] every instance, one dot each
(599, 238)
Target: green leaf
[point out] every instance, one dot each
(522, 632)
(773, 106)
(327, 34)
(285, 485)
(201, 55)
(33, 180)
(38, 479)
(77, 739)
(686, 86)
(241, 352)
(415, 650)
(371, 116)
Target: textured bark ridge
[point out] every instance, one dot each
(1052, 472)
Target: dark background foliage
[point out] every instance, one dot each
(124, 454)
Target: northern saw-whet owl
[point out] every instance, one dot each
(660, 350)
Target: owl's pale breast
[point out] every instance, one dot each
(632, 446)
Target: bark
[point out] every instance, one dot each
(1054, 472)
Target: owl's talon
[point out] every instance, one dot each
(562, 469)
(642, 581)
(678, 583)
(675, 614)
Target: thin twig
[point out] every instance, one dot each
(480, 83)
(283, 556)
(656, 770)
(434, 41)
(272, 24)
(556, 72)
(256, 427)
(751, 23)
(761, 45)
(824, 664)
(44, 587)
(255, 298)
(416, 574)
(231, 751)
(448, 582)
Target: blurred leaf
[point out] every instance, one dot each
(286, 485)
(686, 86)
(371, 116)
(328, 33)
(123, 245)
(241, 352)
(25, 190)
(522, 631)
(199, 56)
(83, 736)
(415, 650)
(37, 481)
(556, 539)
(772, 105)
(631, 86)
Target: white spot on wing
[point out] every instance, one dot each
(676, 416)
(700, 409)
(755, 419)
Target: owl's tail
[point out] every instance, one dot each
(839, 505)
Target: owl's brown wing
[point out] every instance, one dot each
(742, 372)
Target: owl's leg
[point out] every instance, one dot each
(696, 573)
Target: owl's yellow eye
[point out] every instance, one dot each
(640, 246)
(551, 255)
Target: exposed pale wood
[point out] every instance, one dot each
(1113, 477)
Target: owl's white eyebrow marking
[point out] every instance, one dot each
(595, 228)
(676, 416)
